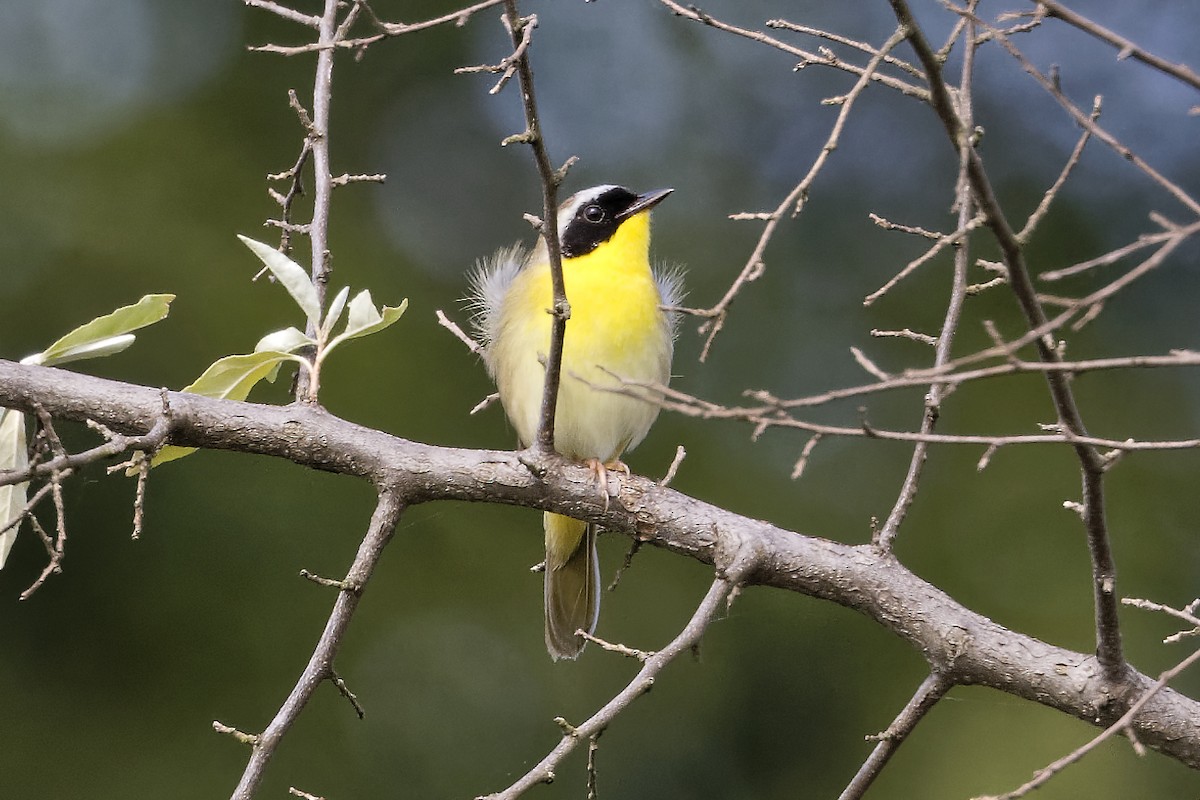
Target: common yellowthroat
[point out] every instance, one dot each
(618, 329)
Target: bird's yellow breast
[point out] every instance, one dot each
(616, 328)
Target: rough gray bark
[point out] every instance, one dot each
(962, 646)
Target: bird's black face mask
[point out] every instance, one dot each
(595, 221)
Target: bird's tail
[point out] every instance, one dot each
(572, 584)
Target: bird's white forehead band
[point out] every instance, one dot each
(567, 212)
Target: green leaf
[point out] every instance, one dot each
(335, 310)
(229, 378)
(365, 320)
(291, 275)
(104, 335)
(13, 455)
(100, 347)
(288, 340)
(232, 377)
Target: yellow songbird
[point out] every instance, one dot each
(618, 329)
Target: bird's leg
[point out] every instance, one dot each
(600, 471)
(600, 474)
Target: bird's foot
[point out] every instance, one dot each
(600, 470)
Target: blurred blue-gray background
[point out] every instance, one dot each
(134, 140)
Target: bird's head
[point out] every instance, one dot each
(593, 216)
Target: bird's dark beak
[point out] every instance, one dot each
(645, 202)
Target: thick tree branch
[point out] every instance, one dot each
(960, 644)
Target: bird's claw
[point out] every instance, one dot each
(600, 470)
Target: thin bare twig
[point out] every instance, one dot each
(292, 790)
(771, 411)
(807, 450)
(56, 545)
(867, 364)
(458, 332)
(885, 536)
(617, 647)
(807, 58)
(593, 748)
(385, 30)
(1082, 306)
(328, 31)
(1092, 466)
(1187, 615)
(905, 333)
(1082, 119)
(916, 230)
(116, 444)
(1044, 206)
(900, 63)
(294, 175)
(1111, 257)
(721, 590)
(964, 230)
(931, 690)
(1122, 725)
(508, 64)
(550, 180)
(320, 665)
(754, 265)
(925, 377)
(680, 454)
(1125, 48)
(285, 12)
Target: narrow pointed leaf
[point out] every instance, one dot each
(229, 378)
(13, 455)
(82, 342)
(100, 347)
(232, 377)
(335, 310)
(291, 275)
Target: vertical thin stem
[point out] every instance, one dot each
(1104, 576)
(318, 232)
(958, 293)
(561, 311)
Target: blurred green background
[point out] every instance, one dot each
(134, 140)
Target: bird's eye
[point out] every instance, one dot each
(593, 213)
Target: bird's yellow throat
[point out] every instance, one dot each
(612, 286)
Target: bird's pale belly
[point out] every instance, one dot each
(600, 349)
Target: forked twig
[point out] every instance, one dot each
(754, 266)
(320, 664)
(1122, 725)
(1125, 48)
(544, 772)
(1108, 648)
(885, 536)
(931, 690)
